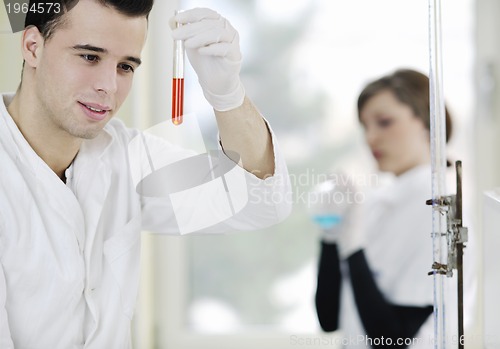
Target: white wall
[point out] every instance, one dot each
(486, 128)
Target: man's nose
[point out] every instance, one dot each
(106, 79)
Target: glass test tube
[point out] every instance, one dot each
(178, 81)
(442, 336)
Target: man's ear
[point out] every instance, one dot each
(32, 46)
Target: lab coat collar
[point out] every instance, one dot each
(95, 148)
(404, 185)
(13, 140)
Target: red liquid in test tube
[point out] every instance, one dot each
(177, 100)
(178, 82)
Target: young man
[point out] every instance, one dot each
(70, 215)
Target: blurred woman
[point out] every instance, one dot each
(372, 277)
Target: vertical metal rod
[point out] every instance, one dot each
(438, 166)
(460, 270)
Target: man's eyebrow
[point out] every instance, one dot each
(134, 59)
(87, 47)
(90, 48)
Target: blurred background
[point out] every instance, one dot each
(305, 62)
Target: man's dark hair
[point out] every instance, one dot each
(49, 21)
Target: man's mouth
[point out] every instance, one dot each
(95, 111)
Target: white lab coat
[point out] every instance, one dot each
(69, 253)
(397, 245)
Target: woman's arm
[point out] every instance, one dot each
(379, 317)
(328, 289)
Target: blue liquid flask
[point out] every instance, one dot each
(327, 221)
(328, 204)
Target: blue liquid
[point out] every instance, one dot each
(327, 221)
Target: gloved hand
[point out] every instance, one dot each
(328, 206)
(212, 46)
(335, 208)
(352, 238)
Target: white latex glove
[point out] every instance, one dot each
(212, 46)
(352, 238)
(328, 204)
(334, 206)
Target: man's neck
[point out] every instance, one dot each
(56, 148)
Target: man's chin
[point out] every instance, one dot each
(86, 133)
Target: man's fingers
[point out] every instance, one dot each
(207, 38)
(196, 15)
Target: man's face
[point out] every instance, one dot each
(85, 69)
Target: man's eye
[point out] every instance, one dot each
(126, 68)
(90, 58)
